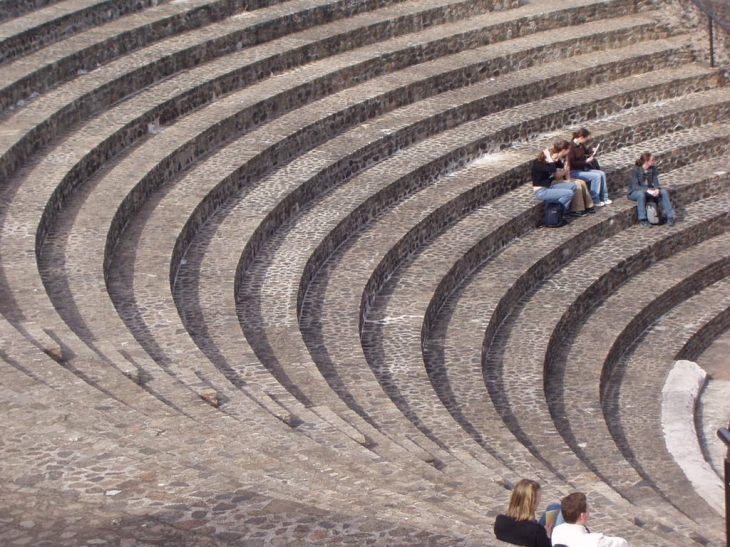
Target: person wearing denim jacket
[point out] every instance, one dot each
(644, 184)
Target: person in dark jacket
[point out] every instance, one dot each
(583, 165)
(519, 526)
(547, 178)
(644, 184)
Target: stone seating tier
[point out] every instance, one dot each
(364, 183)
(148, 381)
(258, 452)
(156, 453)
(32, 31)
(44, 118)
(259, 268)
(192, 383)
(448, 249)
(150, 468)
(641, 372)
(622, 317)
(15, 8)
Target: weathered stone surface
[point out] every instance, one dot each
(271, 274)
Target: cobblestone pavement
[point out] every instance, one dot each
(271, 274)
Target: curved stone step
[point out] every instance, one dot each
(15, 8)
(467, 406)
(43, 119)
(364, 185)
(134, 166)
(267, 96)
(58, 21)
(182, 46)
(112, 350)
(640, 372)
(574, 392)
(98, 453)
(65, 157)
(401, 310)
(515, 364)
(210, 452)
(95, 456)
(93, 221)
(94, 410)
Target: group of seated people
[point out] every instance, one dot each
(562, 525)
(569, 173)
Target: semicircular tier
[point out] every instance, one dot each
(264, 270)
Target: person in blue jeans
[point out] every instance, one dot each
(554, 506)
(547, 176)
(581, 160)
(644, 184)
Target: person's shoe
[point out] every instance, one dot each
(671, 221)
(599, 204)
(645, 223)
(591, 210)
(607, 201)
(576, 213)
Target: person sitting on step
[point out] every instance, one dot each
(574, 532)
(582, 202)
(519, 526)
(583, 165)
(547, 175)
(644, 184)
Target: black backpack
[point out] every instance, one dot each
(554, 214)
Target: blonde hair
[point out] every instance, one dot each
(523, 502)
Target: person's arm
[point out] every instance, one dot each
(576, 158)
(561, 172)
(608, 541)
(635, 180)
(590, 153)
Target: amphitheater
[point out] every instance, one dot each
(272, 273)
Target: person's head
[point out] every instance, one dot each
(524, 500)
(560, 149)
(581, 135)
(574, 508)
(646, 160)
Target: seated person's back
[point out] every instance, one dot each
(519, 526)
(574, 533)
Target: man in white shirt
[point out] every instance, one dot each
(573, 533)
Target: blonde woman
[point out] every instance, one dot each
(519, 525)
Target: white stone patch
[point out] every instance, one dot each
(679, 395)
(715, 404)
(393, 319)
(490, 159)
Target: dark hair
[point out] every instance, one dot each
(558, 146)
(582, 132)
(572, 506)
(645, 157)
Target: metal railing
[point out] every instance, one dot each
(712, 22)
